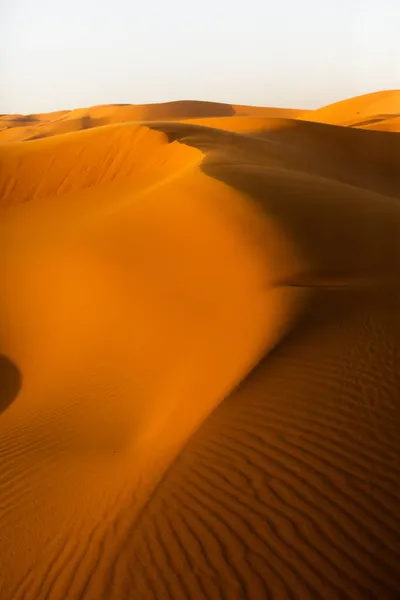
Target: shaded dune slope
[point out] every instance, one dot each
(171, 258)
(363, 159)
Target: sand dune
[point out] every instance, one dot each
(18, 128)
(199, 354)
(359, 110)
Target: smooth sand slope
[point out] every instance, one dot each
(359, 111)
(199, 359)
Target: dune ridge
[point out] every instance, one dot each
(199, 333)
(14, 128)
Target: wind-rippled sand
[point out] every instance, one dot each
(200, 352)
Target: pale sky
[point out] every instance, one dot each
(292, 53)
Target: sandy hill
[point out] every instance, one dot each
(360, 111)
(199, 356)
(378, 111)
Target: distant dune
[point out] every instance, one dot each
(199, 352)
(43, 125)
(358, 111)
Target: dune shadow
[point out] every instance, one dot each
(38, 136)
(368, 122)
(87, 122)
(301, 176)
(10, 382)
(366, 159)
(22, 120)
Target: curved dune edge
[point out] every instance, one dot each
(278, 491)
(341, 231)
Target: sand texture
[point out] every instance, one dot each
(200, 352)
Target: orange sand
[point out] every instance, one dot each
(356, 111)
(199, 353)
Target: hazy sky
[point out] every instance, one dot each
(298, 53)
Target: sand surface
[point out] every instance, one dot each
(18, 128)
(200, 352)
(358, 111)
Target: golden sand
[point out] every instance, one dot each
(199, 352)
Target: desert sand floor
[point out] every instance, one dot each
(200, 353)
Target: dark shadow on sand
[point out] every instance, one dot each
(10, 382)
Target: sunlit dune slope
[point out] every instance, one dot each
(146, 270)
(358, 111)
(84, 159)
